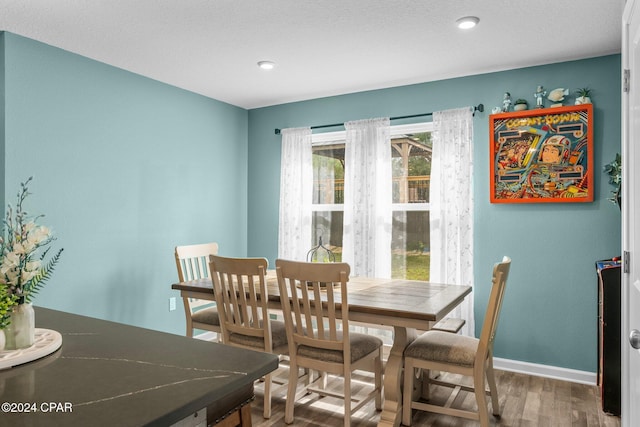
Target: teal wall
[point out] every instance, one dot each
(125, 168)
(550, 309)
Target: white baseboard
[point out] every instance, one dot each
(565, 374)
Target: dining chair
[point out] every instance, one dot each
(240, 288)
(192, 263)
(316, 314)
(458, 354)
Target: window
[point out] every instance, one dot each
(411, 168)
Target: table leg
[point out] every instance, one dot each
(392, 410)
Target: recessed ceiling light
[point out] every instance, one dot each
(266, 65)
(467, 22)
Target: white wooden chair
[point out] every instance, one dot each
(316, 314)
(240, 287)
(469, 356)
(192, 262)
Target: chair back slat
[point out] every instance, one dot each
(240, 288)
(318, 306)
(252, 298)
(192, 260)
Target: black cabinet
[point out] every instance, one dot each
(609, 333)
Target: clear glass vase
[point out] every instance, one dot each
(21, 331)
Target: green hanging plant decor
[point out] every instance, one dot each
(614, 170)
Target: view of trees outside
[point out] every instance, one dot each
(328, 195)
(411, 169)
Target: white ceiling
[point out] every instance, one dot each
(321, 47)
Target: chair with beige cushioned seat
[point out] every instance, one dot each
(240, 288)
(316, 314)
(192, 262)
(457, 354)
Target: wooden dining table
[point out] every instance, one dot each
(405, 305)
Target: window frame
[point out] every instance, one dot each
(329, 138)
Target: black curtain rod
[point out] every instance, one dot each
(479, 107)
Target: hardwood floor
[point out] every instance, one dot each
(525, 401)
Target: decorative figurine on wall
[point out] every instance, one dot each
(520, 104)
(506, 102)
(557, 96)
(539, 94)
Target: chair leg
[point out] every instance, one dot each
(291, 391)
(407, 392)
(378, 380)
(187, 312)
(426, 376)
(307, 376)
(481, 397)
(323, 379)
(347, 398)
(491, 379)
(267, 397)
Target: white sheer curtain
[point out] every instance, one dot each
(366, 244)
(296, 181)
(451, 205)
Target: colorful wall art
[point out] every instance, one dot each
(542, 155)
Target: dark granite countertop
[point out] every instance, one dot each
(111, 374)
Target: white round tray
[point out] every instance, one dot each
(46, 342)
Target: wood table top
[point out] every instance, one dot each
(402, 299)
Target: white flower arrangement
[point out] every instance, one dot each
(24, 247)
